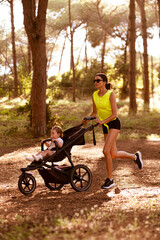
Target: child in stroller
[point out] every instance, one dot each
(55, 176)
(56, 140)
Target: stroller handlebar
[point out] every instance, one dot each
(46, 140)
(89, 118)
(42, 143)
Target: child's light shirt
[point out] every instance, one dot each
(52, 144)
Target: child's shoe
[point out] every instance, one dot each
(37, 157)
(30, 158)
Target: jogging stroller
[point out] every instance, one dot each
(54, 175)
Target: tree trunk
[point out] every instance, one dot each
(141, 4)
(63, 48)
(103, 51)
(132, 56)
(86, 56)
(72, 56)
(35, 29)
(29, 60)
(14, 51)
(152, 76)
(104, 35)
(124, 92)
(158, 1)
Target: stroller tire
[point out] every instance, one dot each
(81, 178)
(54, 186)
(26, 183)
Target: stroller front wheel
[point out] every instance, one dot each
(26, 183)
(81, 178)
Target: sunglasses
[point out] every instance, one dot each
(97, 80)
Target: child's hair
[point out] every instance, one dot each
(58, 130)
(105, 79)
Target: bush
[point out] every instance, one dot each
(50, 120)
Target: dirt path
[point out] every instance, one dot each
(139, 189)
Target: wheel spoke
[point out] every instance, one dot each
(84, 174)
(81, 184)
(27, 184)
(85, 180)
(76, 180)
(76, 176)
(81, 178)
(29, 181)
(54, 186)
(25, 187)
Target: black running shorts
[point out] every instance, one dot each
(115, 124)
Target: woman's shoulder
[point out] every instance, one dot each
(95, 92)
(108, 93)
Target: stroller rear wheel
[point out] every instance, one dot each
(54, 186)
(26, 183)
(81, 178)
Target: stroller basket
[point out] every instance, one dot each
(59, 174)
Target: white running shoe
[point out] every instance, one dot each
(138, 160)
(37, 157)
(30, 158)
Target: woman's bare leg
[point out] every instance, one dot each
(110, 141)
(121, 154)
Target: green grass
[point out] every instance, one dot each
(14, 127)
(86, 224)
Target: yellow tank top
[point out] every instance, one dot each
(103, 105)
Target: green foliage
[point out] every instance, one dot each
(66, 79)
(50, 119)
(2, 92)
(56, 6)
(58, 16)
(84, 79)
(59, 87)
(87, 77)
(54, 81)
(95, 36)
(119, 74)
(25, 80)
(24, 108)
(85, 224)
(16, 118)
(11, 131)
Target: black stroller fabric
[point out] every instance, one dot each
(71, 137)
(59, 174)
(72, 133)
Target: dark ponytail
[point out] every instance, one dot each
(105, 79)
(108, 86)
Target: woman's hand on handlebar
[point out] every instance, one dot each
(87, 119)
(84, 121)
(97, 120)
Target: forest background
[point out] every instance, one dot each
(46, 76)
(64, 43)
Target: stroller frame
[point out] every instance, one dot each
(56, 176)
